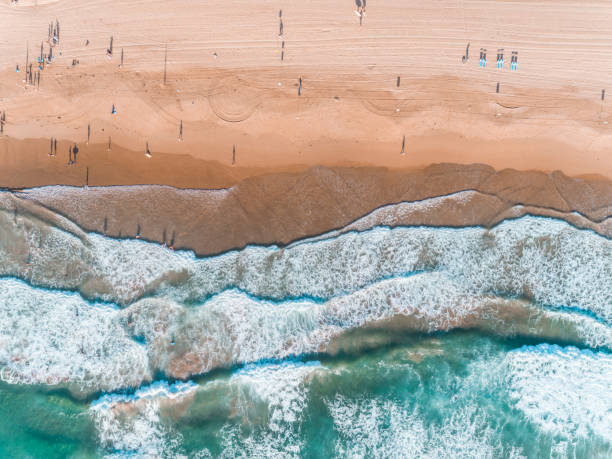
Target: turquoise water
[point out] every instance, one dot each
(404, 342)
(37, 422)
(447, 395)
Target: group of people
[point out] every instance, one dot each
(53, 147)
(500, 59)
(72, 154)
(31, 77)
(73, 150)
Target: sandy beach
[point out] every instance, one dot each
(228, 87)
(305, 229)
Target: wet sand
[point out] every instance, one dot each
(281, 208)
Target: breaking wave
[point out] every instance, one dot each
(256, 342)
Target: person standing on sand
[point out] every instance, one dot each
(467, 53)
(360, 10)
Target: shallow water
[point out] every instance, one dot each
(403, 342)
(458, 394)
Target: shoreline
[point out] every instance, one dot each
(285, 207)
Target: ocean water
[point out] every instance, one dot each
(388, 342)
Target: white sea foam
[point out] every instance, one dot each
(283, 389)
(385, 429)
(53, 337)
(464, 272)
(142, 436)
(132, 425)
(72, 197)
(541, 258)
(567, 392)
(233, 328)
(563, 390)
(547, 260)
(133, 268)
(40, 253)
(423, 279)
(394, 214)
(156, 390)
(269, 401)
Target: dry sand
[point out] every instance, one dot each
(547, 116)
